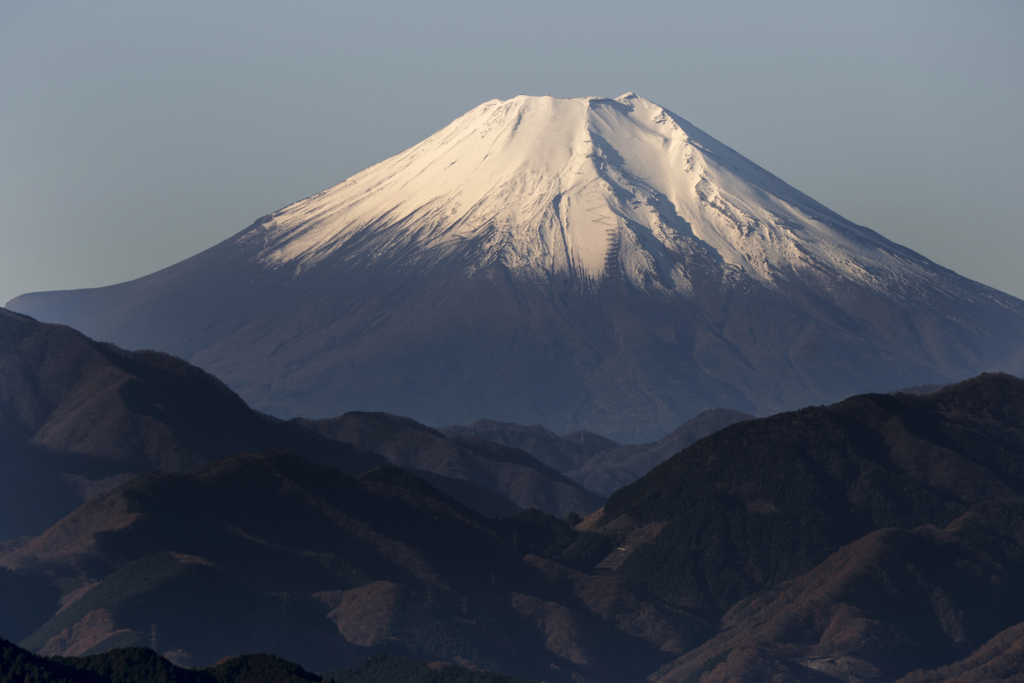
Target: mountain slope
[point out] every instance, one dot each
(78, 417)
(854, 542)
(386, 669)
(614, 468)
(1000, 659)
(142, 665)
(565, 453)
(589, 263)
(876, 538)
(597, 463)
(510, 472)
(890, 602)
(198, 609)
(273, 553)
(766, 500)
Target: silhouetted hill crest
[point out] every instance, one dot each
(507, 471)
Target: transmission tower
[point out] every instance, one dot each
(152, 637)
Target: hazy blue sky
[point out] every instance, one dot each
(135, 134)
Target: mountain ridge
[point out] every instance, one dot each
(508, 471)
(79, 417)
(595, 462)
(876, 539)
(275, 553)
(786, 491)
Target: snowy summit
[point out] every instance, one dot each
(591, 187)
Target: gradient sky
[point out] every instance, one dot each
(133, 135)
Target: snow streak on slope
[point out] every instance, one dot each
(589, 187)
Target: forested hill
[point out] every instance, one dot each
(776, 496)
(142, 665)
(872, 539)
(78, 417)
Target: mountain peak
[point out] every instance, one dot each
(587, 189)
(588, 263)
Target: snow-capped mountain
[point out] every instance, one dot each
(587, 188)
(586, 263)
